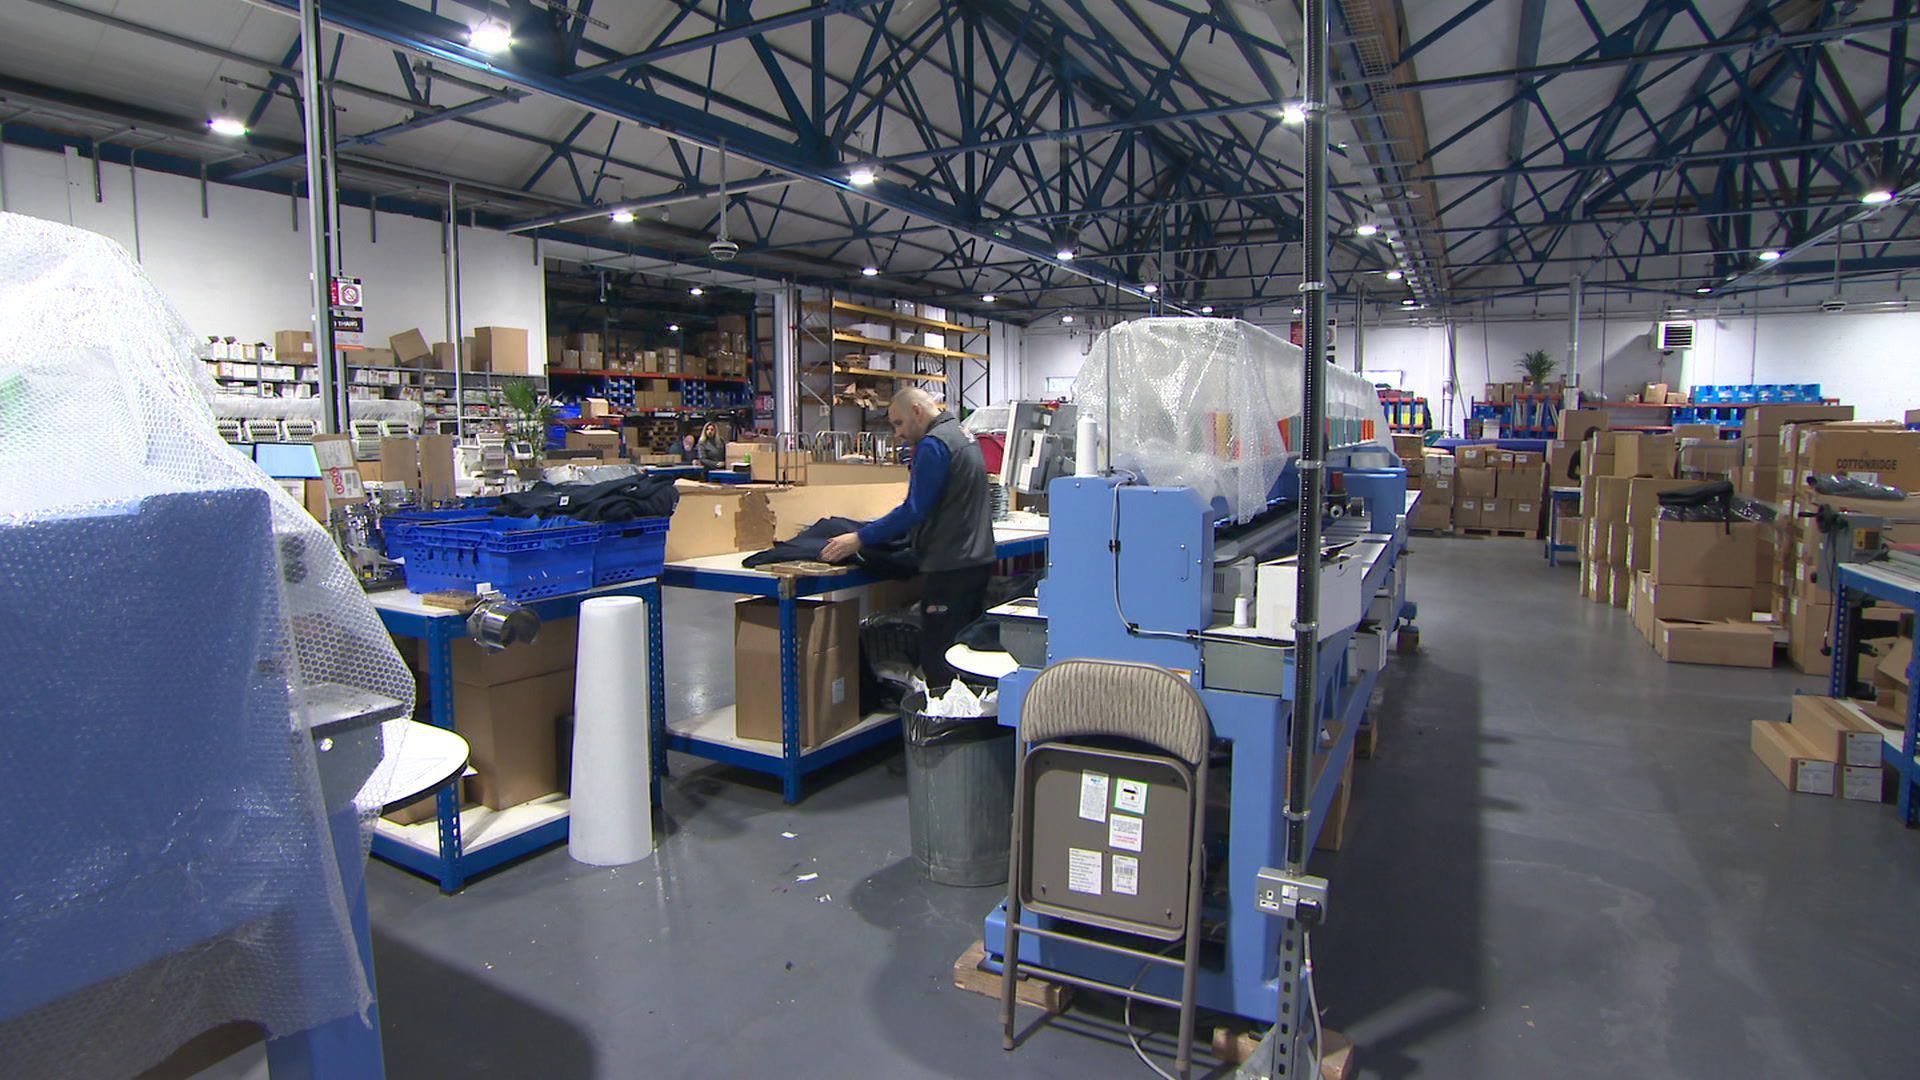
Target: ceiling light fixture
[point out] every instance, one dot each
(1293, 112)
(228, 126)
(1149, 288)
(623, 217)
(1877, 197)
(1065, 254)
(1066, 318)
(1769, 255)
(492, 36)
(1296, 311)
(673, 328)
(862, 176)
(869, 271)
(1394, 275)
(696, 291)
(1408, 302)
(1367, 229)
(988, 298)
(1207, 310)
(1704, 290)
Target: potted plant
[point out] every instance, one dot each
(1536, 366)
(532, 413)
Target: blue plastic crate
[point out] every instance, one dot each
(396, 526)
(523, 558)
(629, 550)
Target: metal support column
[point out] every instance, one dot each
(1573, 331)
(786, 380)
(333, 410)
(1360, 330)
(455, 324)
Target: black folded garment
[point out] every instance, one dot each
(626, 499)
(891, 559)
(1712, 500)
(1849, 488)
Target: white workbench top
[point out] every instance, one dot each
(734, 562)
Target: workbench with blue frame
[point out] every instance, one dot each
(1855, 582)
(531, 826)
(712, 736)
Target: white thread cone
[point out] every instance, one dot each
(612, 805)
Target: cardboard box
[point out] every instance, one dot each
(410, 346)
(1640, 453)
(1708, 460)
(1599, 578)
(595, 407)
(293, 346)
(1808, 625)
(1698, 603)
(831, 472)
(511, 730)
(1703, 553)
(1472, 457)
(1865, 783)
(1640, 605)
(1847, 737)
(1476, 481)
(1655, 392)
(604, 443)
(1573, 530)
(1643, 506)
(1560, 472)
(1431, 514)
(1790, 759)
(1572, 425)
(1732, 644)
(827, 641)
(1522, 482)
(501, 349)
(1877, 456)
(1466, 512)
(1620, 587)
(1764, 421)
(1493, 514)
(443, 358)
(1524, 514)
(1619, 544)
(781, 466)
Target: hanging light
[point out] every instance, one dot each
(1704, 290)
(1366, 229)
(1149, 288)
(1408, 302)
(862, 176)
(988, 298)
(229, 126)
(673, 328)
(1394, 275)
(1296, 311)
(1067, 319)
(696, 291)
(623, 217)
(1877, 196)
(1207, 310)
(1065, 254)
(869, 271)
(492, 36)
(1294, 113)
(1770, 255)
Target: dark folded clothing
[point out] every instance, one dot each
(626, 499)
(891, 559)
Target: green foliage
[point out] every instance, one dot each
(532, 414)
(1537, 365)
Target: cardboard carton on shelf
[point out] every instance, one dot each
(827, 644)
(1472, 457)
(1560, 463)
(1764, 421)
(501, 349)
(1655, 393)
(594, 407)
(1480, 483)
(1730, 644)
(512, 732)
(1794, 761)
(293, 346)
(605, 443)
(410, 347)
(1521, 482)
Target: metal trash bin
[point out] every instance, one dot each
(959, 794)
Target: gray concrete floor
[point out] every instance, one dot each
(1564, 863)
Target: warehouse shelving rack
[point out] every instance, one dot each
(832, 328)
(1854, 583)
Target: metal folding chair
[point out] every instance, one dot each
(1107, 836)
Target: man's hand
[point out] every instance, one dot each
(842, 547)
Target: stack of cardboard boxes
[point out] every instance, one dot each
(1829, 747)
(1498, 490)
(1694, 602)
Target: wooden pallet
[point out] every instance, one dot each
(968, 975)
(1509, 534)
(1429, 532)
(1234, 1044)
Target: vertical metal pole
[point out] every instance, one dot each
(333, 183)
(457, 326)
(1360, 330)
(1573, 331)
(133, 199)
(320, 227)
(786, 382)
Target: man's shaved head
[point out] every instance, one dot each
(912, 413)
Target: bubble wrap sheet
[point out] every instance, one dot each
(166, 857)
(1213, 404)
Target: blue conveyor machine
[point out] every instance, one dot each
(1153, 574)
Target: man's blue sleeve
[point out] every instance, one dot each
(924, 487)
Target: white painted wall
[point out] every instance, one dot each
(243, 269)
(1868, 360)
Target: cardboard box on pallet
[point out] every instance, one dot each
(1521, 482)
(1432, 514)
(1476, 482)
(1493, 514)
(1639, 453)
(1792, 760)
(1472, 457)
